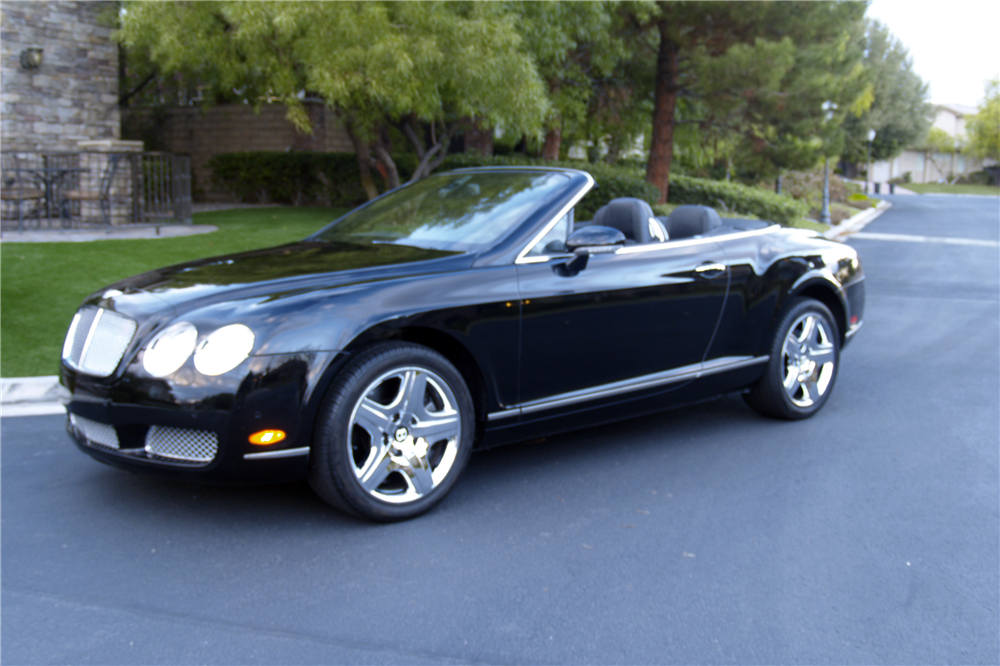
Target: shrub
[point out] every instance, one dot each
(976, 178)
(332, 179)
(732, 197)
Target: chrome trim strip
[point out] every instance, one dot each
(634, 249)
(505, 414)
(521, 259)
(90, 336)
(683, 373)
(850, 333)
(534, 260)
(727, 363)
(67, 351)
(284, 453)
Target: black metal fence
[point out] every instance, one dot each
(94, 189)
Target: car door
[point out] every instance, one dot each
(626, 317)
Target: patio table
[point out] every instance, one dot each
(49, 177)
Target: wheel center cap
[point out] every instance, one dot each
(401, 434)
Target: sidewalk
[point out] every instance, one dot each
(83, 235)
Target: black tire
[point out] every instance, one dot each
(379, 454)
(803, 366)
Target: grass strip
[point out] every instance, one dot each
(944, 188)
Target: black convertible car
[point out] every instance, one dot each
(466, 310)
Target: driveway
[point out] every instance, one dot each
(866, 535)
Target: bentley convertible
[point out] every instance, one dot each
(466, 310)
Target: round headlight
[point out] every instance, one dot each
(168, 350)
(223, 350)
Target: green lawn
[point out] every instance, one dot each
(941, 188)
(42, 284)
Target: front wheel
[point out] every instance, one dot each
(394, 434)
(805, 354)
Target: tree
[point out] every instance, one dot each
(578, 49)
(753, 69)
(421, 67)
(984, 127)
(899, 111)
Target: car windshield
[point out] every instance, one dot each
(457, 211)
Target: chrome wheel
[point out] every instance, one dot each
(808, 357)
(802, 368)
(404, 434)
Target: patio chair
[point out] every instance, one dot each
(101, 194)
(17, 189)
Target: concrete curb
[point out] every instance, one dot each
(31, 396)
(857, 222)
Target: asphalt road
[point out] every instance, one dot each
(866, 535)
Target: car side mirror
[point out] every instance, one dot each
(591, 240)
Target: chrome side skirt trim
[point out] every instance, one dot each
(505, 414)
(674, 376)
(853, 330)
(284, 453)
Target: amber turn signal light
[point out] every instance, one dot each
(265, 437)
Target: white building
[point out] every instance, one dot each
(927, 166)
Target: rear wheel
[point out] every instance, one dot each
(805, 355)
(394, 434)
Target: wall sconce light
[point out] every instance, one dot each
(31, 57)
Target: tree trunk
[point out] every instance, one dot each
(478, 139)
(364, 158)
(553, 138)
(553, 142)
(383, 153)
(664, 106)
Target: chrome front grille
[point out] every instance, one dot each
(97, 340)
(182, 444)
(97, 434)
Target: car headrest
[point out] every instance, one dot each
(630, 216)
(687, 221)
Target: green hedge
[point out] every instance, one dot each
(332, 179)
(296, 178)
(736, 198)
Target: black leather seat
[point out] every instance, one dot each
(632, 217)
(688, 221)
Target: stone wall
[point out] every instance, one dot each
(73, 96)
(229, 128)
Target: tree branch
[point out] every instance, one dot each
(408, 132)
(123, 99)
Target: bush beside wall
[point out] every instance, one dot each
(332, 179)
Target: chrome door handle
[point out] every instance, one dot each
(710, 268)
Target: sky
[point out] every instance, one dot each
(955, 45)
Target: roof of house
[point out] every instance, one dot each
(958, 109)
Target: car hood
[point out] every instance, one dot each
(272, 272)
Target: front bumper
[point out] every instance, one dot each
(855, 296)
(199, 431)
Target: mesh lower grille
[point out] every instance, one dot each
(97, 340)
(183, 444)
(97, 434)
